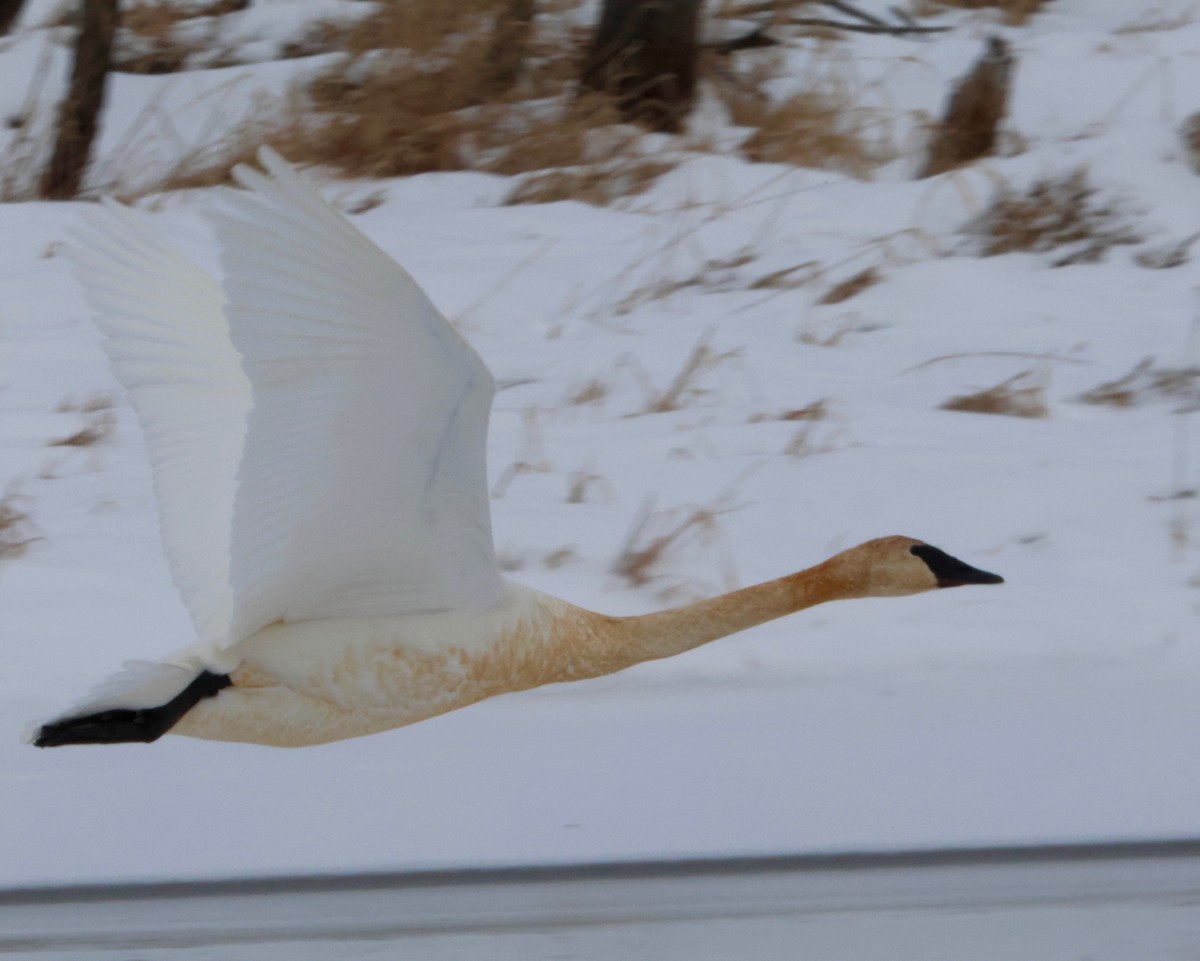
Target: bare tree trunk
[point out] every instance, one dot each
(85, 96)
(9, 11)
(644, 53)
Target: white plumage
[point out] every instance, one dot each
(316, 427)
(317, 433)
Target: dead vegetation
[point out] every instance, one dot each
(1060, 214)
(790, 278)
(17, 530)
(1023, 395)
(1189, 136)
(1173, 253)
(428, 86)
(99, 422)
(822, 125)
(655, 535)
(599, 184)
(152, 38)
(1147, 383)
(714, 274)
(683, 388)
(161, 37)
(1015, 12)
(831, 332)
(417, 93)
(817, 410)
(807, 129)
(804, 443)
(850, 287)
(148, 42)
(580, 482)
(970, 123)
(593, 391)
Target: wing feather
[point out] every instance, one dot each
(362, 490)
(168, 343)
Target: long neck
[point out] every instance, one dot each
(622, 642)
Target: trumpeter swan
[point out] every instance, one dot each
(317, 435)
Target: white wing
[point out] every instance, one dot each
(362, 489)
(168, 343)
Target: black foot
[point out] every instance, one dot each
(137, 725)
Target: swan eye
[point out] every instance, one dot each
(949, 570)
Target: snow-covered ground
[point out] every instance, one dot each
(1062, 706)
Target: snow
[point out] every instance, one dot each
(1059, 707)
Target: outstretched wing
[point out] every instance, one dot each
(168, 342)
(362, 488)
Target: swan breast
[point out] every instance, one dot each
(416, 665)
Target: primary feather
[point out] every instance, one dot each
(168, 343)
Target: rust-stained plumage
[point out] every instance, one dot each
(391, 672)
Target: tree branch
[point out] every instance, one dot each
(894, 29)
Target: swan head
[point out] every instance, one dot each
(896, 566)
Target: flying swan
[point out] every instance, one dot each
(317, 434)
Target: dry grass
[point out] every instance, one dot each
(790, 278)
(583, 480)
(593, 391)
(1146, 383)
(1021, 396)
(1189, 136)
(559, 557)
(1015, 12)
(807, 443)
(701, 360)
(1061, 214)
(149, 41)
(811, 128)
(427, 87)
(98, 426)
(831, 334)
(1174, 253)
(822, 124)
(596, 184)
(970, 124)
(17, 530)
(654, 535)
(412, 97)
(580, 150)
(851, 286)
(715, 274)
(817, 410)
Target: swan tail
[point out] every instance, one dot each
(140, 704)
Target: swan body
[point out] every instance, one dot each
(317, 431)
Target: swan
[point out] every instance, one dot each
(316, 430)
